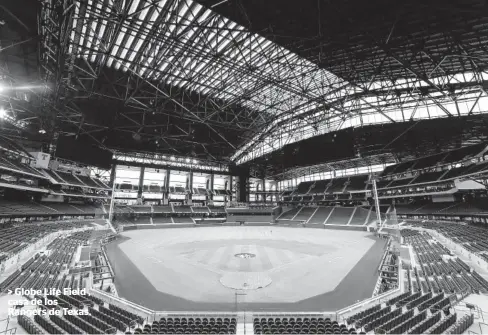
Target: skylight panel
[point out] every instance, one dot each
(133, 7)
(94, 38)
(83, 30)
(181, 16)
(92, 26)
(118, 42)
(128, 45)
(75, 23)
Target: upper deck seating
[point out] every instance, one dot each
(162, 209)
(198, 209)
(68, 178)
(476, 168)
(71, 209)
(381, 184)
(88, 181)
(400, 182)
(406, 208)
(428, 177)
(319, 187)
(177, 190)
(357, 183)
(15, 165)
(337, 185)
(304, 187)
(220, 192)
(217, 209)
(465, 208)
(200, 191)
(433, 208)
(453, 156)
(456, 172)
(141, 209)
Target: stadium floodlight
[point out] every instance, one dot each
(4, 88)
(3, 112)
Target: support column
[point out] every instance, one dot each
(112, 175)
(377, 205)
(212, 176)
(190, 186)
(243, 188)
(166, 195)
(141, 185)
(264, 190)
(231, 187)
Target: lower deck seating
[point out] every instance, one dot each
(305, 213)
(48, 271)
(182, 219)
(142, 220)
(290, 214)
(249, 218)
(162, 220)
(340, 215)
(190, 326)
(299, 326)
(320, 215)
(359, 217)
(436, 273)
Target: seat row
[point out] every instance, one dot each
(300, 326)
(461, 325)
(108, 319)
(426, 324)
(29, 325)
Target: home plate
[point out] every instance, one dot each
(245, 280)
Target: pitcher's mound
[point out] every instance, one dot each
(245, 280)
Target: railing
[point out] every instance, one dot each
(481, 328)
(8, 331)
(123, 303)
(378, 299)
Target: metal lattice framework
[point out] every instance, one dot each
(175, 61)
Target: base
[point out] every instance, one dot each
(245, 280)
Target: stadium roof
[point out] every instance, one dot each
(238, 80)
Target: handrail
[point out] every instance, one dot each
(10, 330)
(108, 297)
(368, 301)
